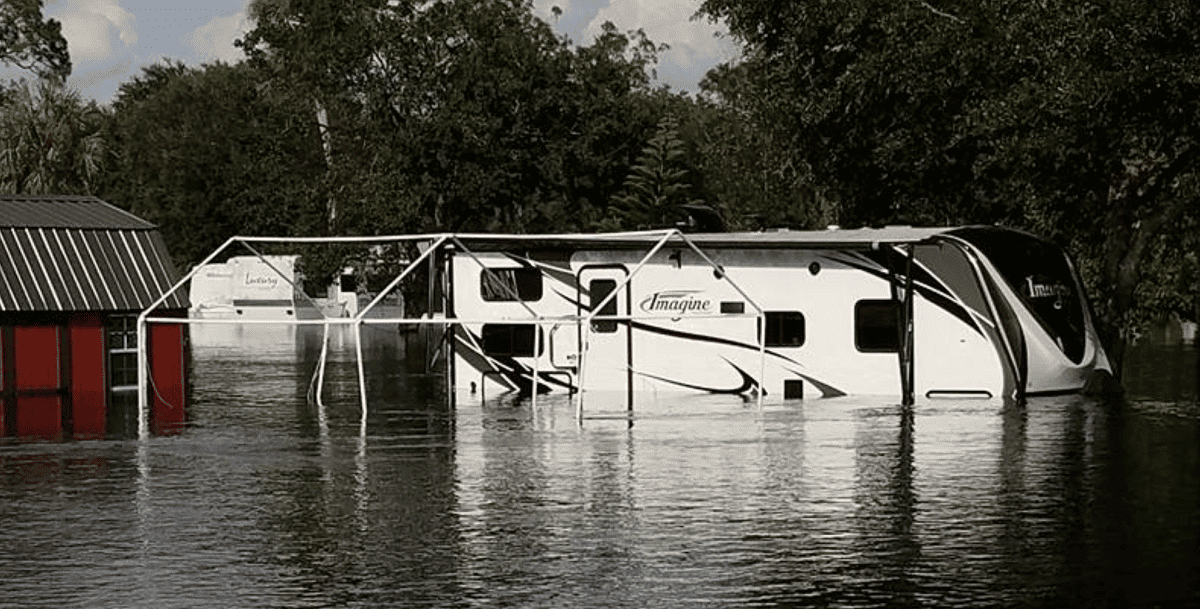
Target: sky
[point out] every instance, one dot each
(110, 40)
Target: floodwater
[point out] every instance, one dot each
(265, 499)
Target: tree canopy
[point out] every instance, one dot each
(465, 115)
(50, 141)
(30, 42)
(1077, 119)
(207, 153)
(376, 117)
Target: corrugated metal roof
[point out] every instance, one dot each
(80, 254)
(65, 211)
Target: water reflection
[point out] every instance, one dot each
(267, 499)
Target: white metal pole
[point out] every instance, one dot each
(586, 338)
(362, 375)
(395, 282)
(762, 322)
(295, 288)
(143, 363)
(762, 356)
(143, 356)
(321, 366)
(537, 344)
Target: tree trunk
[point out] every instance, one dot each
(1135, 216)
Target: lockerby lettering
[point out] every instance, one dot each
(262, 280)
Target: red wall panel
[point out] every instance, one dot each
(37, 357)
(4, 363)
(89, 395)
(166, 372)
(39, 416)
(37, 368)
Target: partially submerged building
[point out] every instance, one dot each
(75, 272)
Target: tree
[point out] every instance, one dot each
(746, 165)
(210, 152)
(460, 115)
(50, 141)
(656, 193)
(1080, 120)
(32, 43)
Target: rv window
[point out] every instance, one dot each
(876, 327)
(511, 285)
(509, 340)
(598, 290)
(784, 329)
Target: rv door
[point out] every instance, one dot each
(608, 357)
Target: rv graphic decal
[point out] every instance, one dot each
(748, 383)
(676, 301)
(1057, 291)
(827, 391)
(924, 283)
(705, 338)
(511, 373)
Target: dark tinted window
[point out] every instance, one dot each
(784, 329)
(511, 285)
(1038, 271)
(509, 340)
(598, 290)
(876, 325)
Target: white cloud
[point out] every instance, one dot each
(95, 29)
(214, 40)
(694, 43)
(86, 80)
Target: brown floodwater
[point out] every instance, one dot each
(266, 499)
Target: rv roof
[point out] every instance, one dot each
(859, 238)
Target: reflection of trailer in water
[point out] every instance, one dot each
(976, 311)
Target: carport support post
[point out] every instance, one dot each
(143, 373)
(362, 376)
(906, 347)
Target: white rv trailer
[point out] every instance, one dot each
(898, 311)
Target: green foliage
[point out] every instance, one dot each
(656, 191)
(50, 141)
(1080, 120)
(30, 42)
(747, 165)
(464, 115)
(207, 153)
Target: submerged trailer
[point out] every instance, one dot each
(909, 312)
(900, 311)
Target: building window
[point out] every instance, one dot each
(122, 353)
(784, 329)
(510, 340)
(511, 285)
(598, 290)
(876, 326)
